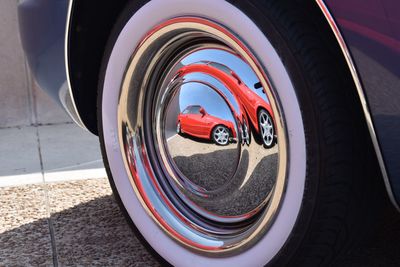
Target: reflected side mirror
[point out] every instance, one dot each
(257, 85)
(236, 77)
(203, 112)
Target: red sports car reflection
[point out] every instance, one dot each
(195, 121)
(258, 111)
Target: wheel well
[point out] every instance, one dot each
(258, 111)
(89, 28)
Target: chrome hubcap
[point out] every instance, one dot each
(214, 189)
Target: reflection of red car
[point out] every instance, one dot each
(195, 121)
(258, 110)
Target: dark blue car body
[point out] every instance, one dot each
(371, 30)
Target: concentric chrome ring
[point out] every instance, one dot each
(191, 138)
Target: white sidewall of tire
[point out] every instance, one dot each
(220, 11)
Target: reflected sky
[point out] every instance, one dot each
(206, 97)
(235, 63)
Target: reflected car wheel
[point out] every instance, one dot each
(179, 128)
(266, 128)
(220, 135)
(304, 202)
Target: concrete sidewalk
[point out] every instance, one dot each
(37, 139)
(48, 153)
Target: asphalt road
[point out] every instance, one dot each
(233, 187)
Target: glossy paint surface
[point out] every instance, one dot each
(200, 124)
(371, 29)
(42, 29)
(253, 102)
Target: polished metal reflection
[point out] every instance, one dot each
(202, 136)
(223, 126)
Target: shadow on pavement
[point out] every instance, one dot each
(96, 233)
(91, 233)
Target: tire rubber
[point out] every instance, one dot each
(342, 182)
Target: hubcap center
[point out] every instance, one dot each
(198, 125)
(204, 150)
(215, 126)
